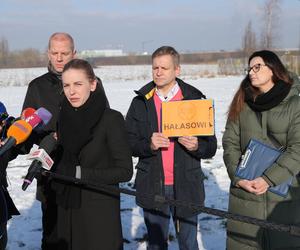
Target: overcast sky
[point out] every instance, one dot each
(136, 25)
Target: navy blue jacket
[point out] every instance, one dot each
(141, 123)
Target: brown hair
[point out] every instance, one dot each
(167, 50)
(81, 65)
(279, 73)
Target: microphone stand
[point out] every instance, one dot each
(112, 190)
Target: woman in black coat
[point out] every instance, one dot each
(93, 147)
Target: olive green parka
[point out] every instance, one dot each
(283, 123)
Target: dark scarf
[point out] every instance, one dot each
(75, 130)
(269, 100)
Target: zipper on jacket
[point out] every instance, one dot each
(158, 156)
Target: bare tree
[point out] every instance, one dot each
(299, 43)
(4, 52)
(22, 58)
(270, 20)
(27, 58)
(249, 40)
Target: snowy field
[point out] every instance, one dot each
(119, 82)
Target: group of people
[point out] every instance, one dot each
(95, 144)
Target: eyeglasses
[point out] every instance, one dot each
(255, 68)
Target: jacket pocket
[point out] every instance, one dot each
(143, 126)
(142, 180)
(194, 172)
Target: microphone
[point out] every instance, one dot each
(36, 118)
(6, 123)
(44, 114)
(33, 120)
(17, 133)
(41, 159)
(26, 113)
(20, 130)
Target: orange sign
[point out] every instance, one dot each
(188, 118)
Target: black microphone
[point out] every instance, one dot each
(5, 126)
(42, 159)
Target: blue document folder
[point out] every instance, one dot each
(256, 159)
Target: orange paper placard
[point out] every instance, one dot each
(188, 118)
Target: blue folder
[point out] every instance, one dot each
(257, 158)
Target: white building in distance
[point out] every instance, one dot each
(100, 53)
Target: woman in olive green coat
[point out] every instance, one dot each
(266, 105)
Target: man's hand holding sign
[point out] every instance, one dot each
(189, 142)
(185, 120)
(158, 140)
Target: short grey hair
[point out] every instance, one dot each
(167, 50)
(61, 36)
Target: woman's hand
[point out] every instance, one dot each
(55, 135)
(260, 185)
(246, 185)
(257, 186)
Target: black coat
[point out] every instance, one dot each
(45, 91)
(141, 123)
(106, 159)
(7, 206)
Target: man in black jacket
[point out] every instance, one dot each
(168, 167)
(47, 91)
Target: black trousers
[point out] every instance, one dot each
(3, 236)
(49, 222)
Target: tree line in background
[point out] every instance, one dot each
(21, 58)
(250, 43)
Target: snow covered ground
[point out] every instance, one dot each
(119, 82)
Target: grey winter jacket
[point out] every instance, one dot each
(283, 123)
